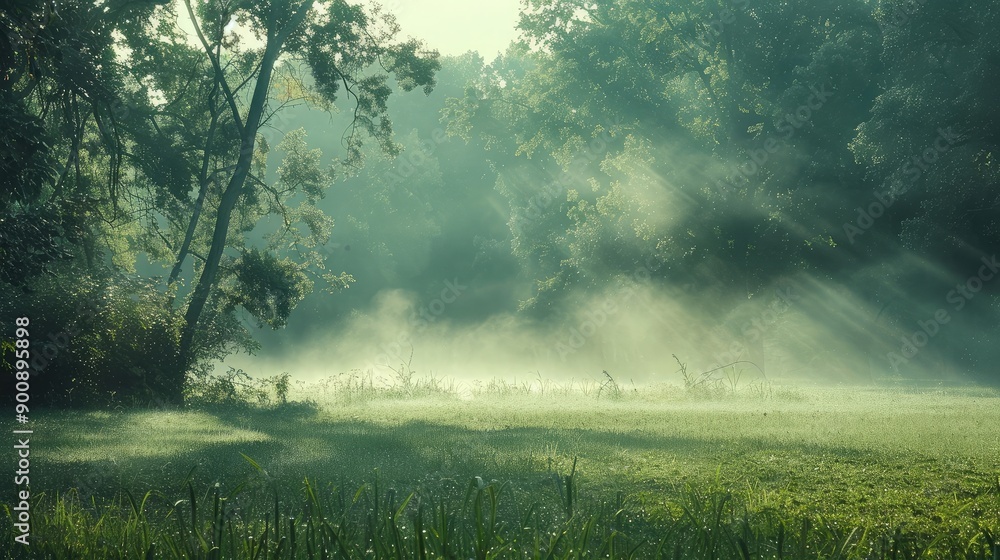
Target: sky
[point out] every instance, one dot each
(454, 27)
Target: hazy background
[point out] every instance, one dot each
(441, 215)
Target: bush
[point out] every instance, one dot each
(95, 341)
(105, 340)
(236, 389)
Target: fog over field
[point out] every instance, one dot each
(788, 252)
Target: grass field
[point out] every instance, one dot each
(534, 470)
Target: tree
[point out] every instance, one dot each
(59, 88)
(650, 121)
(161, 150)
(931, 144)
(340, 44)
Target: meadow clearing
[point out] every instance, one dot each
(529, 470)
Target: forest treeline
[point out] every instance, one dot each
(167, 192)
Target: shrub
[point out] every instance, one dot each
(96, 340)
(99, 338)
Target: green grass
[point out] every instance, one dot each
(527, 470)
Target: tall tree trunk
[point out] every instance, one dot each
(234, 189)
(203, 180)
(189, 234)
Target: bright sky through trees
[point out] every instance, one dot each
(456, 26)
(453, 27)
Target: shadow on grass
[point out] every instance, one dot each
(294, 441)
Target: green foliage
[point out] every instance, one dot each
(268, 288)
(639, 143)
(344, 42)
(282, 383)
(25, 164)
(300, 170)
(35, 238)
(93, 339)
(111, 171)
(612, 135)
(236, 390)
(232, 389)
(393, 208)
